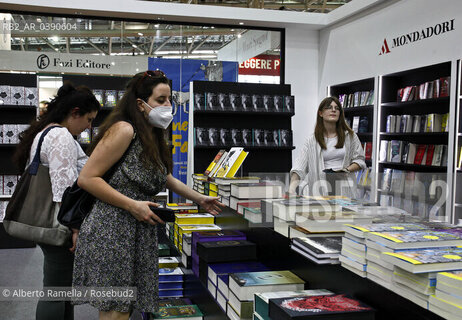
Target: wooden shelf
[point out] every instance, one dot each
(414, 167)
(245, 148)
(256, 113)
(417, 102)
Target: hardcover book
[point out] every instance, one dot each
(214, 137)
(278, 103)
(257, 103)
(174, 302)
(30, 96)
(5, 95)
(261, 190)
(246, 100)
(235, 101)
(225, 137)
(268, 103)
(99, 95)
(337, 306)
(285, 137)
(190, 312)
(237, 138)
(226, 251)
(360, 230)
(212, 101)
(110, 98)
(202, 136)
(415, 239)
(224, 101)
(199, 101)
(247, 137)
(271, 138)
(259, 137)
(245, 285)
(17, 95)
(322, 247)
(426, 260)
(289, 104)
(214, 162)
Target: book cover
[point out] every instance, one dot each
(268, 103)
(355, 124)
(237, 138)
(361, 229)
(211, 101)
(257, 103)
(226, 251)
(224, 101)
(285, 138)
(214, 162)
(17, 95)
(363, 125)
(247, 137)
(258, 190)
(5, 95)
(444, 86)
(246, 100)
(415, 239)
(264, 278)
(214, 136)
(220, 269)
(386, 179)
(383, 150)
(176, 312)
(201, 136)
(289, 104)
(396, 151)
(199, 101)
(320, 247)
(259, 137)
(340, 305)
(110, 98)
(225, 137)
(370, 99)
(99, 95)
(430, 152)
(120, 94)
(174, 302)
(30, 96)
(237, 164)
(278, 103)
(271, 138)
(231, 158)
(235, 100)
(420, 152)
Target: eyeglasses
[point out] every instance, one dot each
(335, 108)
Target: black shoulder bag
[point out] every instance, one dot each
(77, 203)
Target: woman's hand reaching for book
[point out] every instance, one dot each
(211, 204)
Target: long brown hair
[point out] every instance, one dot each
(57, 111)
(341, 125)
(153, 140)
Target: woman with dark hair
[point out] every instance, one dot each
(334, 150)
(73, 110)
(118, 245)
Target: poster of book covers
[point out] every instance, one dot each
(31, 96)
(278, 103)
(247, 137)
(235, 100)
(9, 184)
(285, 137)
(289, 104)
(99, 95)
(259, 137)
(110, 98)
(271, 138)
(257, 103)
(202, 136)
(5, 95)
(225, 137)
(236, 137)
(199, 101)
(212, 101)
(246, 100)
(223, 101)
(214, 136)
(17, 96)
(268, 103)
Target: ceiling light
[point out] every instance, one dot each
(140, 34)
(241, 23)
(157, 25)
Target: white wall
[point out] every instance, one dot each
(302, 74)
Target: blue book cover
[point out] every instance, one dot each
(170, 285)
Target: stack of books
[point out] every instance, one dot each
(171, 282)
(243, 287)
(253, 193)
(337, 306)
(261, 300)
(416, 287)
(189, 219)
(447, 300)
(198, 182)
(224, 185)
(185, 229)
(321, 250)
(218, 276)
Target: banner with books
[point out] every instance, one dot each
(181, 72)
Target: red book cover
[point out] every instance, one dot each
(368, 150)
(444, 86)
(430, 151)
(420, 153)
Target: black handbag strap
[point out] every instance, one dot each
(34, 165)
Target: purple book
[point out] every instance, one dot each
(207, 236)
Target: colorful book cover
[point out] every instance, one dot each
(384, 227)
(174, 302)
(170, 274)
(214, 162)
(250, 279)
(178, 312)
(415, 236)
(317, 306)
(217, 269)
(228, 162)
(321, 245)
(429, 256)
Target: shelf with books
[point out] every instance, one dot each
(358, 110)
(265, 130)
(434, 138)
(413, 167)
(417, 103)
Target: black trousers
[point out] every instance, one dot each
(58, 264)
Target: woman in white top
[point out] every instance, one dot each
(73, 109)
(334, 150)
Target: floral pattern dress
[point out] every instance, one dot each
(116, 250)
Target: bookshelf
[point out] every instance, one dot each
(413, 106)
(263, 157)
(349, 94)
(14, 114)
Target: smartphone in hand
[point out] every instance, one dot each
(167, 215)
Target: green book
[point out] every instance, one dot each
(164, 250)
(245, 285)
(190, 312)
(262, 299)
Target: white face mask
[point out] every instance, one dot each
(159, 117)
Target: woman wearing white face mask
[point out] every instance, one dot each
(117, 244)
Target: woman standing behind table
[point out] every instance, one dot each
(73, 109)
(118, 245)
(333, 152)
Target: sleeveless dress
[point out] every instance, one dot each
(116, 250)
